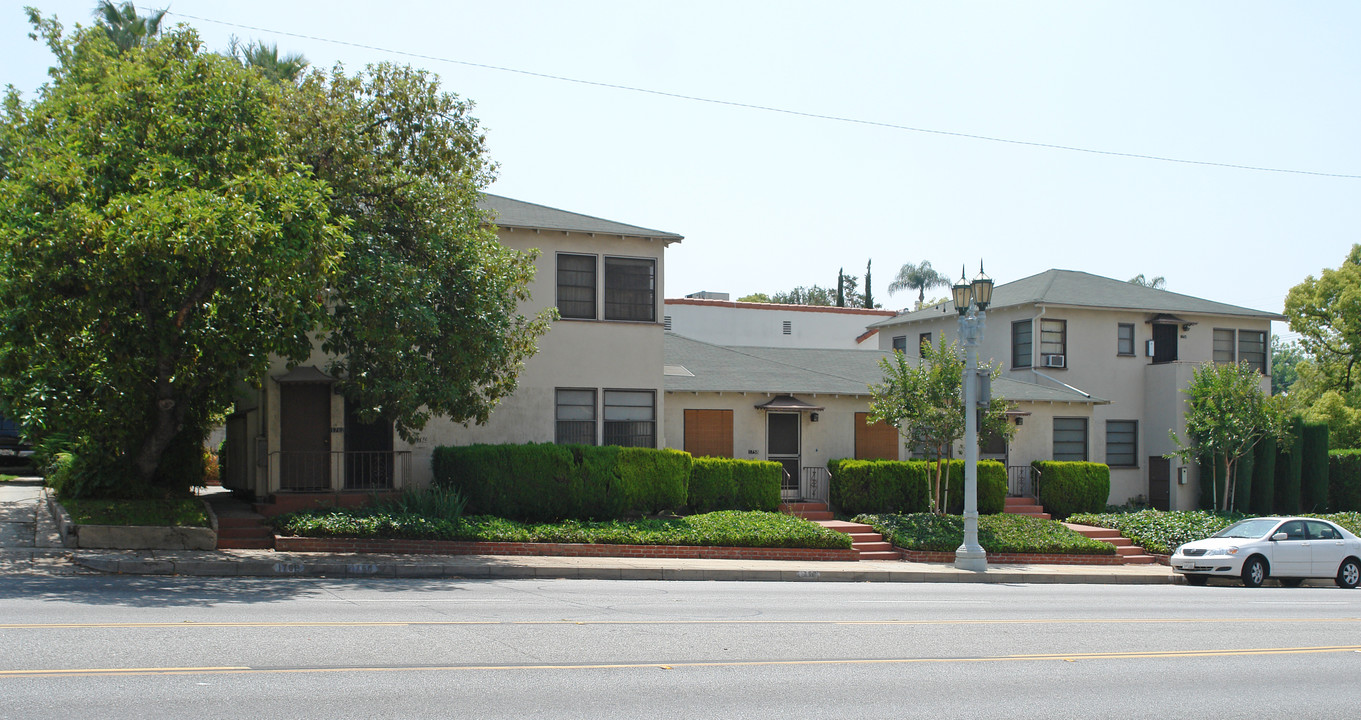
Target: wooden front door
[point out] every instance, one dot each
(1159, 482)
(1164, 343)
(708, 433)
(304, 436)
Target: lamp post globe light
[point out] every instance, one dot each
(971, 299)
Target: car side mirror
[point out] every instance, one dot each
(1279, 536)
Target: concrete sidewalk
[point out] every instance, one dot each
(29, 545)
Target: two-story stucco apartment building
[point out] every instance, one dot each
(597, 377)
(1131, 347)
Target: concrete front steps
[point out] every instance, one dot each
(1025, 506)
(870, 544)
(238, 526)
(1129, 552)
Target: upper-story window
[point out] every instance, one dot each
(630, 289)
(1021, 341)
(923, 344)
(1054, 342)
(576, 286)
(1124, 339)
(1249, 346)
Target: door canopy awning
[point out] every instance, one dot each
(1169, 319)
(308, 375)
(788, 403)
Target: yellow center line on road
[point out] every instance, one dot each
(191, 624)
(1069, 657)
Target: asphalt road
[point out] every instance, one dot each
(113, 647)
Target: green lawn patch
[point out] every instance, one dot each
(1161, 532)
(184, 512)
(7, 478)
(728, 528)
(1001, 533)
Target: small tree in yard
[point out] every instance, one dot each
(925, 403)
(1228, 415)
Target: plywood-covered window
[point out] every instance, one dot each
(708, 433)
(874, 441)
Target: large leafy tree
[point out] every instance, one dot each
(158, 242)
(925, 402)
(423, 318)
(1285, 360)
(920, 277)
(1227, 415)
(1326, 312)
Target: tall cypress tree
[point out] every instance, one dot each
(841, 287)
(869, 294)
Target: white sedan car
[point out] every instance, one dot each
(1289, 549)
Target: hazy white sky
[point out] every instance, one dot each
(767, 201)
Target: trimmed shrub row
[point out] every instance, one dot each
(904, 486)
(733, 484)
(999, 533)
(545, 482)
(1073, 487)
(1344, 481)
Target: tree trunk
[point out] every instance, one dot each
(169, 416)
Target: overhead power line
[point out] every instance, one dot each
(767, 108)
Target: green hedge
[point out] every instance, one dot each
(903, 486)
(1314, 467)
(1073, 487)
(733, 484)
(1264, 477)
(1001, 533)
(1344, 481)
(1289, 469)
(550, 482)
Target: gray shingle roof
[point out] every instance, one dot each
(1080, 289)
(519, 214)
(718, 368)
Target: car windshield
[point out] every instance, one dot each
(1255, 528)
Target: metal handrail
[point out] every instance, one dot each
(339, 470)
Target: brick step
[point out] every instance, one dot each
(802, 506)
(880, 546)
(244, 543)
(244, 520)
(1130, 550)
(257, 532)
(881, 555)
(1139, 559)
(813, 514)
(859, 537)
(1024, 509)
(843, 526)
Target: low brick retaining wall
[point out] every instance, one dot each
(1015, 558)
(456, 547)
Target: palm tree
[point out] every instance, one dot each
(1157, 283)
(919, 278)
(265, 58)
(125, 27)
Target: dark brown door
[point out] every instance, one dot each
(1164, 343)
(708, 433)
(1159, 482)
(368, 452)
(782, 446)
(305, 437)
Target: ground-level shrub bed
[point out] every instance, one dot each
(729, 528)
(1161, 532)
(1003, 533)
(183, 512)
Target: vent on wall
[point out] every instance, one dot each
(788, 327)
(666, 322)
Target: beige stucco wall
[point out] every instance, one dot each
(831, 437)
(762, 325)
(1134, 387)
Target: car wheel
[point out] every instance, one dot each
(1196, 580)
(1291, 582)
(1349, 574)
(1254, 572)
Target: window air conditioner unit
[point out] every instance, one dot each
(1055, 361)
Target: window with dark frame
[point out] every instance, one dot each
(1124, 339)
(630, 289)
(1070, 439)
(923, 344)
(1224, 346)
(900, 343)
(1053, 338)
(576, 286)
(575, 415)
(1252, 349)
(631, 418)
(1021, 343)
(1122, 443)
